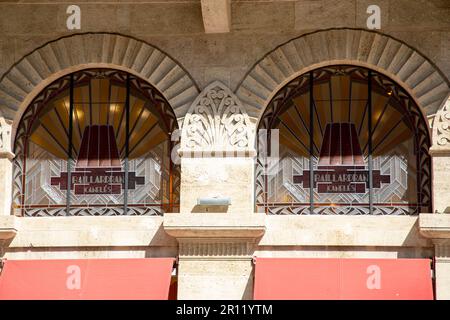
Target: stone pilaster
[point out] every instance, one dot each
(440, 152)
(215, 253)
(6, 157)
(442, 268)
(437, 228)
(217, 153)
(8, 231)
(441, 178)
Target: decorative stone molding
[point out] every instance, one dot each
(216, 249)
(441, 131)
(442, 250)
(216, 15)
(8, 228)
(5, 139)
(215, 236)
(25, 79)
(437, 227)
(216, 124)
(214, 225)
(371, 49)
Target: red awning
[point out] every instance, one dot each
(86, 279)
(343, 279)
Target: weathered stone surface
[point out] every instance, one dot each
(258, 27)
(216, 15)
(397, 60)
(179, 18)
(360, 252)
(215, 280)
(207, 177)
(422, 15)
(437, 228)
(217, 225)
(115, 252)
(69, 54)
(31, 19)
(324, 14)
(262, 16)
(137, 231)
(350, 231)
(8, 229)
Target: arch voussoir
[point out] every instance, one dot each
(24, 80)
(424, 82)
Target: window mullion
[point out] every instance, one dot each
(70, 144)
(311, 141)
(127, 145)
(369, 125)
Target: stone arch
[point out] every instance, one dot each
(426, 84)
(31, 74)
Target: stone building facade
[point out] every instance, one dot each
(216, 72)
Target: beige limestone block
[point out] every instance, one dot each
(353, 252)
(89, 253)
(215, 280)
(217, 225)
(5, 186)
(324, 14)
(166, 18)
(216, 15)
(437, 228)
(217, 177)
(442, 268)
(100, 231)
(442, 280)
(8, 228)
(316, 230)
(262, 16)
(441, 183)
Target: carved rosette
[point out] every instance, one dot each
(441, 129)
(216, 125)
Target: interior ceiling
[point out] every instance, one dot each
(343, 100)
(98, 102)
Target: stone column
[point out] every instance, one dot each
(6, 157)
(216, 241)
(437, 228)
(215, 253)
(442, 268)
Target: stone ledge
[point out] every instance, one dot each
(8, 228)
(439, 151)
(214, 225)
(343, 231)
(77, 231)
(435, 226)
(6, 155)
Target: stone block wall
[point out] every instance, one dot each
(257, 27)
(173, 32)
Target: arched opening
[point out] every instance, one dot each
(96, 142)
(351, 141)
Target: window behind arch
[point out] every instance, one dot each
(354, 136)
(96, 142)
